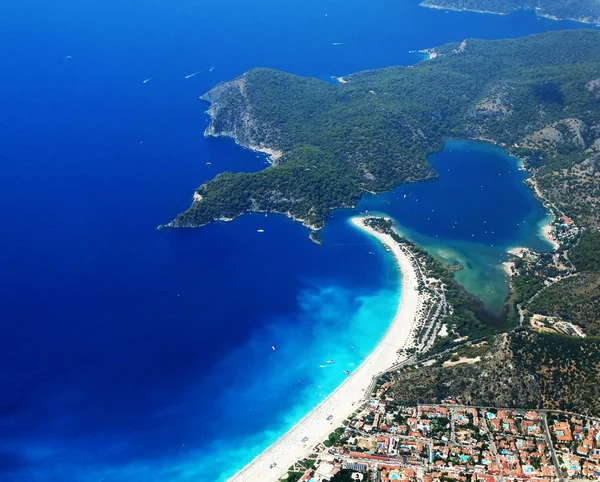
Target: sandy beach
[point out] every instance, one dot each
(547, 233)
(350, 394)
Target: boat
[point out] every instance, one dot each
(330, 362)
(346, 372)
(260, 231)
(272, 348)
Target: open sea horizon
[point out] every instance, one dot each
(130, 354)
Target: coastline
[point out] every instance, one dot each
(350, 394)
(457, 9)
(539, 13)
(545, 229)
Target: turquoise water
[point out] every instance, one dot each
(475, 211)
(128, 354)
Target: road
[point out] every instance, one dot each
(551, 447)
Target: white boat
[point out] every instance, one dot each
(260, 231)
(272, 348)
(330, 362)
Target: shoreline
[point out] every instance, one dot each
(346, 398)
(434, 6)
(546, 231)
(538, 13)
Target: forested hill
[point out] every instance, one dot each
(331, 143)
(580, 10)
(576, 299)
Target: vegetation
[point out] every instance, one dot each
(537, 96)
(586, 255)
(531, 271)
(571, 184)
(576, 299)
(524, 369)
(375, 132)
(565, 370)
(583, 10)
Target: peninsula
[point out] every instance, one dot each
(537, 96)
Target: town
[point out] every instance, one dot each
(382, 441)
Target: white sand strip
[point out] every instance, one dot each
(547, 233)
(348, 396)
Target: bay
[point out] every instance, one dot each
(129, 354)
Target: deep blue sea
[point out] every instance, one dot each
(129, 354)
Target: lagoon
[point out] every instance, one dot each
(129, 354)
(471, 215)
